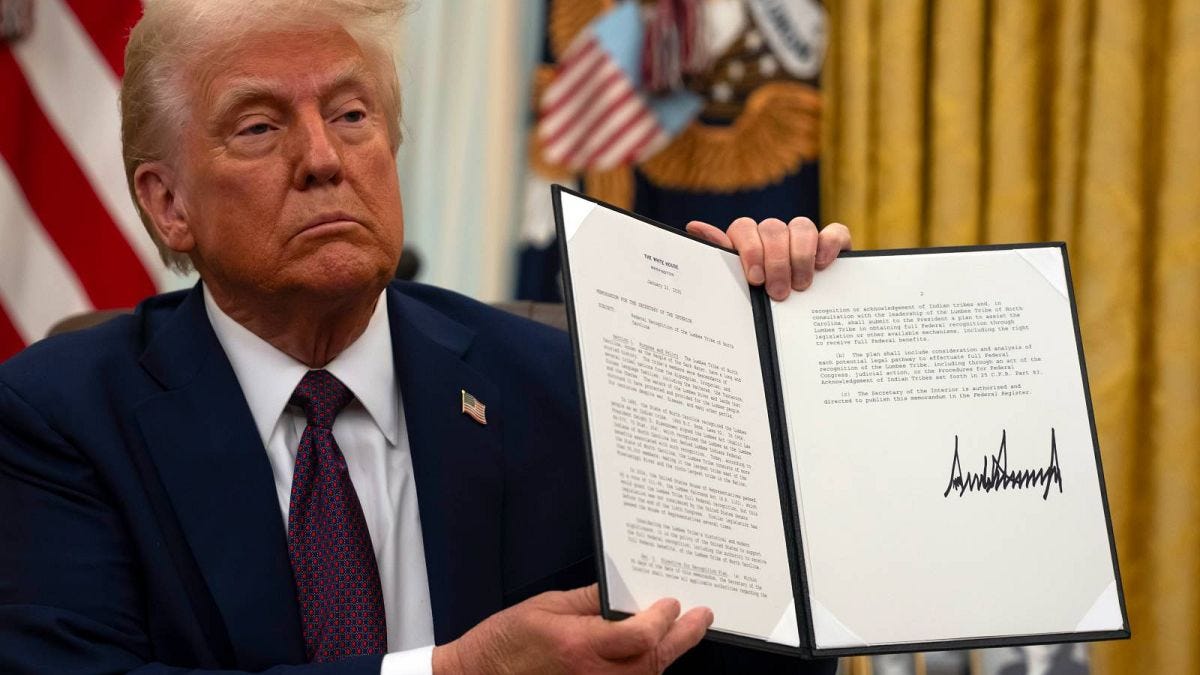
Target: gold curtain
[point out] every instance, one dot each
(975, 121)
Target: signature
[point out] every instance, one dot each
(996, 476)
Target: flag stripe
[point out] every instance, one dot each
(651, 146)
(107, 24)
(567, 112)
(611, 85)
(614, 122)
(573, 120)
(63, 200)
(592, 115)
(636, 153)
(10, 340)
(605, 149)
(36, 284)
(584, 41)
(604, 110)
(569, 81)
(629, 141)
(571, 70)
(78, 94)
(566, 108)
(552, 121)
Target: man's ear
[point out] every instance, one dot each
(157, 190)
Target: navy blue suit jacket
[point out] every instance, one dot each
(139, 524)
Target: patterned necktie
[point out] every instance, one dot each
(333, 563)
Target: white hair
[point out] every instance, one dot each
(174, 36)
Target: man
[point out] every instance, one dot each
(271, 471)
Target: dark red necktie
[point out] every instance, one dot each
(337, 580)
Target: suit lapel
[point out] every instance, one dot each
(202, 439)
(203, 442)
(456, 461)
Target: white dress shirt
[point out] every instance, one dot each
(374, 439)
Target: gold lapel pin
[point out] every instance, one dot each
(474, 407)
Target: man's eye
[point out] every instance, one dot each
(355, 116)
(255, 129)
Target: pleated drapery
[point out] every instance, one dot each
(987, 121)
(465, 69)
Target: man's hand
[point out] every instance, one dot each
(783, 257)
(563, 632)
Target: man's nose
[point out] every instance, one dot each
(317, 151)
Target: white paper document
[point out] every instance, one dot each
(901, 457)
(944, 461)
(685, 472)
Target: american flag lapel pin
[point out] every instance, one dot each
(474, 407)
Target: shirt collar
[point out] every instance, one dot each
(268, 376)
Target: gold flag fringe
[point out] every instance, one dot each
(614, 186)
(543, 75)
(541, 166)
(777, 131)
(567, 18)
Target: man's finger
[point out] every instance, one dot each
(709, 233)
(743, 233)
(684, 634)
(776, 257)
(639, 634)
(803, 236)
(584, 601)
(834, 238)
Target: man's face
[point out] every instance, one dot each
(287, 178)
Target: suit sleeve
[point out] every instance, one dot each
(70, 597)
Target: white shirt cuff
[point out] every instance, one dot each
(417, 661)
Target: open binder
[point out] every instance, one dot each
(901, 458)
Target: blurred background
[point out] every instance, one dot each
(915, 122)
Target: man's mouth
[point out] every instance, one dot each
(329, 222)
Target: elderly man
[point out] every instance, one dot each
(273, 471)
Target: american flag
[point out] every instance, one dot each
(472, 407)
(594, 113)
(70, 238)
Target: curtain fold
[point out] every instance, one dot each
(955, 123)
(986, 121)
(465, 70)
(1173, 587)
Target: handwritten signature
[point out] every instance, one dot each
(996, 476)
